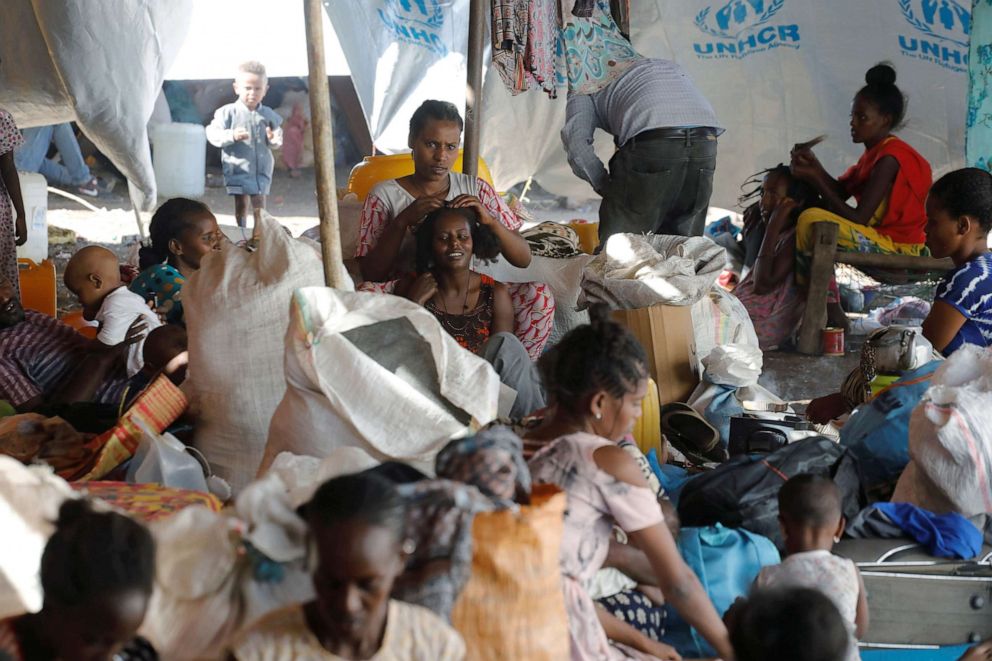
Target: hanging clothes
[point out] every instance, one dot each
(525, 42)
(595, 50)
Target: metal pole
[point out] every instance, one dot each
(323, 144)
(473, 91)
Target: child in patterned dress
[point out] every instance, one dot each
(812, 522)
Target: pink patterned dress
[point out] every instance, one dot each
(596, 502)
(10, 138)
(533, 302)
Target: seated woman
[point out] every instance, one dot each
(356, 525)
(473, 308)
(182, 232)
(768, 290)
(959, 218)
(97, 573)
(889, 182)
(596, 378)
(395, 207)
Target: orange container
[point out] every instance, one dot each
(380, 167)
(833, 341)
(588, 232)
(38, 286)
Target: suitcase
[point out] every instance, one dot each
(915, 599)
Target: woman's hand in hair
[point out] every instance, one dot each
(474, 203)
(412, 216)
(805, 165)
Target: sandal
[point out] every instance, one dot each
(691, 434)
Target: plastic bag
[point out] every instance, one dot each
(950, 438)
(736, 365)
(720, 318)
(163, 459)
(638, 271)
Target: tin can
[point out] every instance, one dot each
(833, 341)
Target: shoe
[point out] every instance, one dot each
(106, 185)
(90, 188)
(691, 434)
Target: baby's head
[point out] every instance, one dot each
(799, 624)
(449, 237)
(251, 83)
(91, 275)
(165, 351)
(809, 510)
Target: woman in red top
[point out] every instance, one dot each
(473, 308)
(889, 183)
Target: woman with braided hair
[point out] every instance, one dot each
(595, 379)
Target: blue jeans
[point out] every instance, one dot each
(30, 157)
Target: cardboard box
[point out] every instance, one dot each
(666, 333)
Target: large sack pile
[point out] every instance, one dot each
(236, 312)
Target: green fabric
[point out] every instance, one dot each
(6, 409)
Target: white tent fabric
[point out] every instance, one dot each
(100, 64)
(777, 72)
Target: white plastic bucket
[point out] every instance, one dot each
(179, 156)
(34, 192)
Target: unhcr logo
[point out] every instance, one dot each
(742, 28)
(943, 29)
(416, 22)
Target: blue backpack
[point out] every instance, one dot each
(727, 561)
(877, 434)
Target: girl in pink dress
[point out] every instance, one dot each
(12, 233)
(595, 379)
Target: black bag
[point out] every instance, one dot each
(743, 493)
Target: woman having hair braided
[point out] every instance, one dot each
(97, 573)
(595, 379)
(182, 233)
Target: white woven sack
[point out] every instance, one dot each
(387, 397)
(236, 309)
(950, 438)
(30, 498)
(641, 270)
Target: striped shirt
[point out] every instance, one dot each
(38, 354)
(651, 94)
(968, 289)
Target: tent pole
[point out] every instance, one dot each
(473, 91)
(323, 144)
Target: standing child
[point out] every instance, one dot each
(245, 131)
(810, 513)
(12, 233)
(93, 275)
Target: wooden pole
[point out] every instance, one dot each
(323, 145)
(473, 90)
(821, 270)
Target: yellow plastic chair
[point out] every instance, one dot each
(380, 167)
(647, 429)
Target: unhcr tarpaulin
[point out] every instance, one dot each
(777, 71)
(97, 63)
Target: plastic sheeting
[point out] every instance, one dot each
(776, 71)
(100, 64)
